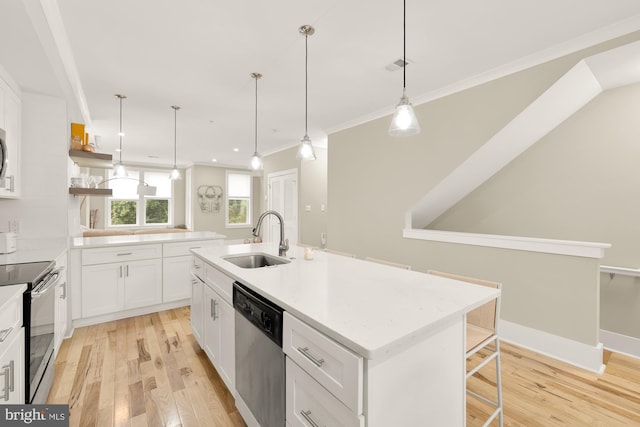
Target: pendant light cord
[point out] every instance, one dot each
(256, 121)
(404, 46)
(306, 81)
(120, 97)
(175, 135)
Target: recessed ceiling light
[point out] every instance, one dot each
(118, 150)
(214, 160)
(236, 149)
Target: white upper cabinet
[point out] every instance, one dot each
(10, 121)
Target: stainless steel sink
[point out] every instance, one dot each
(255, 260)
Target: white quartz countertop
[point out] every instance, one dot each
(35, 250)
(136, 239)
(373, 309)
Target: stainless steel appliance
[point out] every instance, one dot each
(41, 279)
(260, 368)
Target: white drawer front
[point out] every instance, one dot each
(220, 282)
(308, 403)
(120, 254)
(332, 365)
(10, 318)
(197, 267)
(184, 248)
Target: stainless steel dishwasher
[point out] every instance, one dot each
(260, 368)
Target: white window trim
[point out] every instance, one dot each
(141, 205)
(226, 200)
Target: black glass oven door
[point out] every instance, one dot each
(41, 330)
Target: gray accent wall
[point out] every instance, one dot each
(312, 190)
(568, 186)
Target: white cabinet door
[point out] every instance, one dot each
(102, 289)
(142, 283)
(60, 329)
(211, 321)
(197, 305)
(12, 370)
(227, 366)
(176, 278)
(10, 186)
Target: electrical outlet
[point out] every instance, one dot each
(14, 226)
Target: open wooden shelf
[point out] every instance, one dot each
(90, 159)
(76, 191)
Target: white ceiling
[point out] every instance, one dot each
(199, 54)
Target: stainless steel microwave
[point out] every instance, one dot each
(3, 154)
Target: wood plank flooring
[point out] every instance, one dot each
(542, 392)
(138, 372)
(149, 371)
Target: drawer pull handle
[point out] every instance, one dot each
(9, 380)
(5, 333)
(307, 416)
(63, 287)
(195, 247)
(124, 253)
(306, 353)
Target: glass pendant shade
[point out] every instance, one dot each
(119, 170)
(305, 149)
(256, 162)
(175, 174)
(404, 122)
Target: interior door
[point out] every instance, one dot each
(283, 198)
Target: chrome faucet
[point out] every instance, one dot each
(283, 247)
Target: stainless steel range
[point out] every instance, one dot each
(41, 279)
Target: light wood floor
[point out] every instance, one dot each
(141, 371)
(149, 371)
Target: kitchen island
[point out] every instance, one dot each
(405, 329)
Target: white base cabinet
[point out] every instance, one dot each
(197, 306)
(12, 357)
(12, 369)
(308, 402)
(213, 318)
(219, 338)
(61, 306)
(108, 288)
(176, 265)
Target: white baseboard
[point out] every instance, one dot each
(619, 343)
(582, 355)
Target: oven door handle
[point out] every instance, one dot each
(47, 285)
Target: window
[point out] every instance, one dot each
(238, 199)
(128, 208)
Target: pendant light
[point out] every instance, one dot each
(305, 150)
(175, 173)
(404, 122)
(256, 160)
(119, 169)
